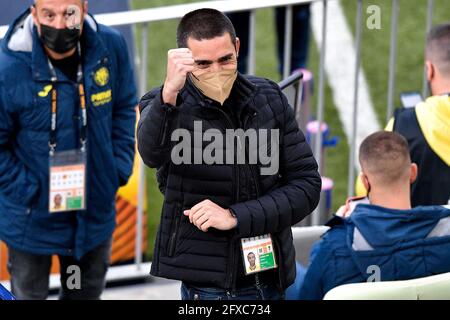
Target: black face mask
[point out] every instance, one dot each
(59, 40)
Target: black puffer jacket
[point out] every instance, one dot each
(184, 252)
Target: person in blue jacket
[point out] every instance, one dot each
(387, 239)
(66, 90)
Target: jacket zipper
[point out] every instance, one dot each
(252, 170)
(254, 175)
(162, 131)
(173, 236)
(164, 128)
(158, 239)
(230, 278)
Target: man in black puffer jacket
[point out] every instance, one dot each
(233, 167)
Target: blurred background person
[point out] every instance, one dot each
(56, 60)
(403, 242)
(426, 127)
(300, 36)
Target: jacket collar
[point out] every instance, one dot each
(383, 227)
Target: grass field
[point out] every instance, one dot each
(375, 58)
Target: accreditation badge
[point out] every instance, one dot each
(67, 181)
(258, 254)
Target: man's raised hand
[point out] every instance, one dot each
(179, 63)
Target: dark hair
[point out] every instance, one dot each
(204, 24)
(385, 155)
(438, 47)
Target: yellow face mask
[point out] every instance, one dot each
(217, 85)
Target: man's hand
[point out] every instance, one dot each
(207, 214)
(343, 211)
(179, 64)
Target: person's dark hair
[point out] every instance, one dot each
(385, 156)
(438, 47)
(204, 24)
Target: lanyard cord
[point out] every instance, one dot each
(81, 92)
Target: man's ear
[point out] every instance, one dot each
(365, 182)
(33, 11)
(85, 12)
(414, 172)
(431, 72)
(238, 45)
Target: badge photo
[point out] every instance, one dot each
(258, 254)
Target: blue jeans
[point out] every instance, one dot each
(260, 292)
(30, 274)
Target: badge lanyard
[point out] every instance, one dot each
(81, 92)
(67, 169)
